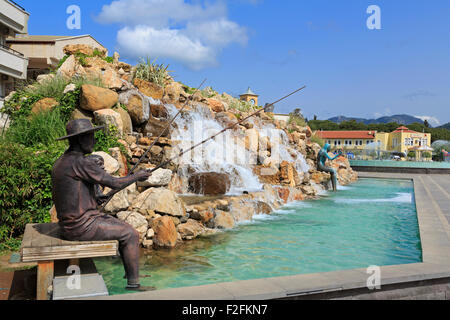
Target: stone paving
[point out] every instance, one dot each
(429, 279)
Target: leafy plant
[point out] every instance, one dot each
(411, 154)
(25, 186)
(319, 141)
(150, 71)
(109, 59)
(426, 155)
(107, 139)
(41, 129)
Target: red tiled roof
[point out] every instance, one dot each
(404, 129)
(346, 134)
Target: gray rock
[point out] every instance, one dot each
(159, 178)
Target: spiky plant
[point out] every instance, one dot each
(151, 71)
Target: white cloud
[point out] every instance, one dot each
(143, 41)
(431, 120)
(191, 33)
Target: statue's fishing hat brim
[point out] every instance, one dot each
(79, 127)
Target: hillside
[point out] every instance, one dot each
(400, 119)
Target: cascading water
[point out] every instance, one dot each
(222, 155)
(227, 152)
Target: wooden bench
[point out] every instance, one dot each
(42, 243)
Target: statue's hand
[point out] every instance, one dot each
(143, 175)
(101, 199)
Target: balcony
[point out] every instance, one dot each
(13, 16)
(13, 63)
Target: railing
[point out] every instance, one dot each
(17, 5)
(11, 50)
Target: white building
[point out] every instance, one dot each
(44, 52)
(13, 64)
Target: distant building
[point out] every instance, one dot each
(400, 141)
(355, 140)
(13, 64)
(249, 97)
(44, 52)
(281, 117)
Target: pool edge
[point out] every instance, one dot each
(430, 278)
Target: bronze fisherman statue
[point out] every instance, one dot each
(74, 179)
(322, 158)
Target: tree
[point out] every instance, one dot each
(426, 124)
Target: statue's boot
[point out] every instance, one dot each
(139, 288)
(140, 276)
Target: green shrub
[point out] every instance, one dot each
(25, 186)
(152, 72)
(107, 139)
(299, 121)
(41, 129)
(109, 59)
(411, 154)
(319, 141)
(50, 88)
(426, 155)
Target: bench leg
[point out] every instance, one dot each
(44, 279)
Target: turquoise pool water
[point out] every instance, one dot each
(399, 164)
(372, 222)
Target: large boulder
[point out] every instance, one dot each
(78, 48)
(137, 105)
(111, 164)
(149, 89)
(95, 98)
(223, 220)
(161, 201)
(159, 178)
(109, 117)
(156, 127)
(190, 230)
(136, 220)
(242, 210)
(209, 183)
(172, 93)
(67, 69)
(82, 114)
(159, 111)
(111, 79)
(126, 120)
(166, 234)
(119, 202)
(45, 104)
(216, 105)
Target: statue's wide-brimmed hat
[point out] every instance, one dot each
(79, 127)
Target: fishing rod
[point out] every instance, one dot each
(213, 136)
(112, 193)
(222, 131)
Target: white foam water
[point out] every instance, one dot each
(401, 198)
(226, 153)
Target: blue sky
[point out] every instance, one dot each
(277, 46)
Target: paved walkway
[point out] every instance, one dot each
(428, 280)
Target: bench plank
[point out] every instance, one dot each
(43, 242)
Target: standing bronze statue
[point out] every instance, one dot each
(74, 179)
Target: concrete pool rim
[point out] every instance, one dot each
(433, 272)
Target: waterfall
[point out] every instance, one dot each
(226, 153)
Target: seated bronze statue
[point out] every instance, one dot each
(322, 158)
(74, 178)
